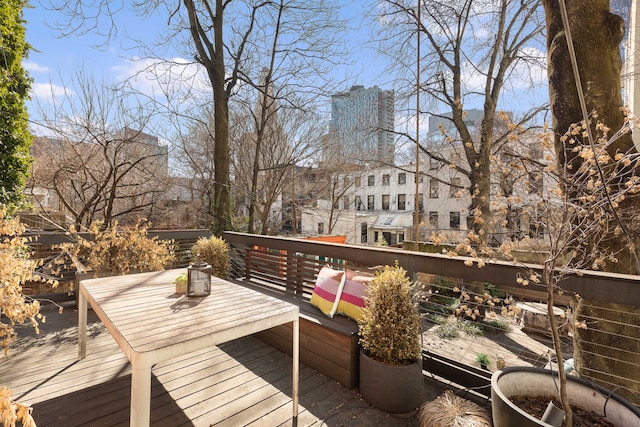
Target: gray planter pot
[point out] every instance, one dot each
(527, 381)
(396, 389)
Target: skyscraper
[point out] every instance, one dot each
(361, 127)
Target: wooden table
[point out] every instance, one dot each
(152, 324)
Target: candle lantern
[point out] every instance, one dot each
(199, 279)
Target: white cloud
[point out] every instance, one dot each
(173, 78)
(530, 71)
(34, 67)
(49, 91)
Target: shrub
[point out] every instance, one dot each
(470, 328)
(215, 252)
(447, 331)
(389, 329)
(15, 269)
(121, 251)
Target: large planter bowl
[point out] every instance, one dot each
(396, 389)
(527, 381)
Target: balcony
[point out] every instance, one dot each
(247, 381)
(243, 382)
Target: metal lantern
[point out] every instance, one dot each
(199, 279)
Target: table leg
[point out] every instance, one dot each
(140, 396)
(296, 369)
(82, 326)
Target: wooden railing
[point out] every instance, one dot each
(290, 265)
(44, 245)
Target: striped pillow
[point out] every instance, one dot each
(353, 293)
(326, 293)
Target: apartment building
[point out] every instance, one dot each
(369, 205)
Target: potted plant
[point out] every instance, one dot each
(112, 251)
(215, 252)
(483, 360)
(579, 218)
(390, 358)
(181, 283)
(120, 251)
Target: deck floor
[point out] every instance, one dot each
(242, 382)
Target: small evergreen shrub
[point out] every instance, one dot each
(389, 329)
(215, 252)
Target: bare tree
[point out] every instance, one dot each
(587, 91)
(97, 161)
(223, 37)
(474, 51)
(265, 163)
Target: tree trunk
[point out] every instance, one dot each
(222, 185)
(596, 34)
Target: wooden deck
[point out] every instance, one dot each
(243, 382)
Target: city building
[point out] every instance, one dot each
(372, 205)
(361, 127)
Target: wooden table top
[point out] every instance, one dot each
(148, 320)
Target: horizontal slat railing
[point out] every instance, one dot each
(44, 245)
(304, 258)
(607, 287)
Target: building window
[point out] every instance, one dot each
(433, 219)
(385, 179)
(434, 189)
(371, 180)
(536, 225)
(389, 238)
(402, 178)
(364, 232)
(359, 204)
(385, 202)
(454, 188)
(358, 182)
(433, 163)
(371, 201)
(321, 228)
(454, 220)
(420, 203)
(347, 182)
(402, 202)
(345, 202)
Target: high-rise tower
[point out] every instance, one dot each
(361, 127)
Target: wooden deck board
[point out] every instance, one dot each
(242, 382)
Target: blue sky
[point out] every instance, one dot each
(54, 58)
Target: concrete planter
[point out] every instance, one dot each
(527, 381)
(396, 389)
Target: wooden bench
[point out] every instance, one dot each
(329, 346)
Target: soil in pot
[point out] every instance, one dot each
(535, 406)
